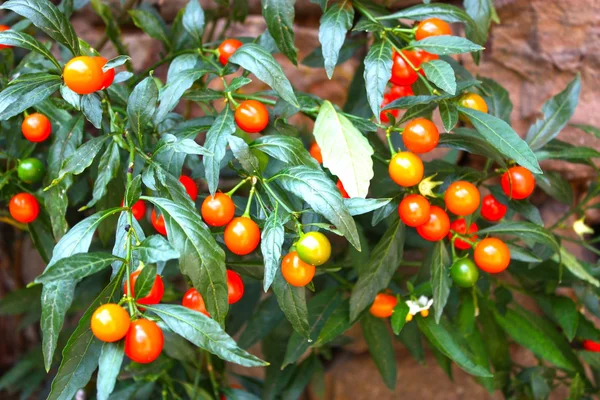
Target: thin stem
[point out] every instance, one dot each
(250, 196)
(128, 258)
(211, 374)
(120, 19)
(239, 185)
(389, 141)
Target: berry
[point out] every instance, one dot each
(227, 48)
(218, 210)
(414, 210)
(402, 73)
(383, 305)
(464, 273)
(139, 210)
(30, 170)
(144, 341)
(235, 287)
(437, 227)
(472, 101)
(315, 152)
(460, 226)
(383, 116)
(462, 198)
(242, 236)
(492, 255)
(194, 301)
(24, 208)
(158, 223)
(107, 77)
(110, 322)
(406, 169)
(518, 183)
(314, 248)
(397, 91)
(590, 345)
(342, 190)
(432, 27)
(420, 135)
(36, 127)
(492, 209)
(83, 75)
(251, 116)
(190, 186)
(156, 293)
(295, 271)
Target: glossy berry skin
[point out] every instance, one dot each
(107, 77)
(227, 48)
(518, 183)
(315, 152)
(194, 301)
(432, 27)
(235, 287)
(464, 273)
(460, 226)
(397, 91)
(24, 208)
(462, 198)
(158, 223)
(492, 255)
(437, 227)
(419, 57)
(590, 345)
(218, 210)
(139, 210)
(2, 29)
(144, 341)
(30, 170)
(242, 236)
(383, 116)
(472, 101)
(156, 293)
(342, 190)
(314, 248)
(383, 305)
(406, 169)
(110, 322)
(491, 209)
(36, 127)
(190, 186)
(414, 210)
(83, 75)
(402, 73)
(251, 116)
(295, 271)
(420, 135)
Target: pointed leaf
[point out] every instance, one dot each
(271, 240)
(141, 104)
(279, 16)
(399, 317)
(26, 91)
(441, 74)
(109, 366)
(193, 20)
(76, 267)
(289, 150)
(292, 301)
(155, 249)
(380, 346)
(575, 267)
(334, 25)
(446, 45)
(28, 42)
(440, 278)
(108, 169)
(216, 142)
(56, 300)
(378, 71)
(144, 282)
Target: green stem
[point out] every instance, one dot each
(239, 185)
(128, 258)
(211, 374)
(389, 141)
(250, 196)
(165, 60)
(277, 199)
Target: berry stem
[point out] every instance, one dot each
(250, 196)
(239, 185)
(389, 141)
(130, 222)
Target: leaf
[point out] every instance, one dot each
(216, 143)
(449, 115)
(573, 265)
(591, 130)
(205, 333)
(556, 186)
(152, 24)
(577, 389)
(346, 152)
(440, 278)
(468, 140)
(564, 311)
(26, 91)
(109, 366)
(380, 346)
(378, 71)
(358, 206)
(441, 74)
(289, 150)
(499, 134)
(410, 101)
(446, 45)
(76, 267)
(262, 64)
(56, 300)
(271, 240)
(112, 26)
(497, 98)
(108, 169)
(322, 196)
(444, 340)
(337, 323)
(171, 94)
(141, 104)
(81, 159)
(121, 236)
(172, 143)
(28, 42)
(524, 230)
(419, 110)
(557, 112)
(279, 16)
(334, 25)
(241, 151)
(262, 321)
(399, 317)
(376, 275)
(155, 249)
(292, 301)
(48, 18)
(193, 20)
(115, 62)
(201, 259)
(134, 191)
(144, 282)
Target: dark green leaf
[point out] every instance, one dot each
(577, 389)
(134, 191)
(337, 323)
(521, 254)
(334, 25)
(26, 91)
(482, 12)
(142, 104)
(25, 41)
(556, 186)
(441, 74)
(279, 16)
(171, 94)
(292, 301)
(155, 249)
(376, 276)
(145, 281)
(241, 151)
(358, 206)
(216, 142)
(289, 150)
(109, 366)
(592, 130)
(576, 268)
(449, 115)
(440, 278)
(76, 267)
(271, 240)
(261, 322)
(399, 317)
(419, 110)
(81, 159)
(378, 70)
(564, 311)
(193, 20)
(152, 24)
(115, 62)
(497, 98)
(57, 297)
(410, 101)
(107, 170)
(446, 45)
(40, 231)
(380, 346)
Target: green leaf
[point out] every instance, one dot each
(48, 18)
(155, 249)
(524, 230)
(573, 265)
(279, 16)
(261, 63)
(334, 25)
(380, 346)
(591, 130)
(292, 301)
(26, 91)
(193, 20)
(378, 71)
(419, 110)
(482, 12)
(440, 278)
(410, 101)
(556, 186)
(399, 317)
(499, 134)
(134, 191)
(171, 94)
(271, 240)
(287, 149)
(346, 152)
(262, 321)
(441, 74)
(56, 300)
(113, 32)
(121, 237)
(28, 42)
(577, 389)
(205, 333)
(445, 340)
(446, 45)
(107, 171)
(81, 159)
(171, 143)
(358, 206)
(521, 254)
(152, 24)
(241, 151)
(115, 62)
(376, 275)
(557, 112)
(322, 196)
(216, 142)
(145, 281)
(449, 115)
(337, 323)
(109, 366)
(497, 98)
(142, 104)
(76, 267)
(564, 311)
(201, 258)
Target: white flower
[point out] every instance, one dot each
(581, 228)
(422, 305)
